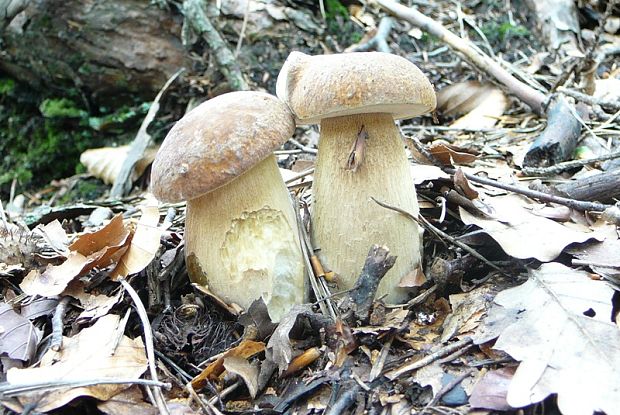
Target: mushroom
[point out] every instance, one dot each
(356, 97)
(240, 230)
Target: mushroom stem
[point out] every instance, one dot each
(241, 241)
(346, 222)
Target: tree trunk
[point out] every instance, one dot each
(104, 50)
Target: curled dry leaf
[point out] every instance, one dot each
(105, 163)
(97, 249)
(448, 154)
(481, 103)
(247, 348)
(144, 244)
(242, 368)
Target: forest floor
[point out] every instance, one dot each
(517, 176)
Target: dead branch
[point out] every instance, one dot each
(198, 20)
(567, 165)
(378, 263)
(590, 100)
(604, 186)
(379, 40)
(545, 197)
(558, 140)
(535, 99)
(444, 351)
(58, 323)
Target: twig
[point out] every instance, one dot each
(244, 26)
(58, 323)
(426, 224)
(148, 341)
(379, 364)
(535, 99)
(303, 147)
(444, 351)
(8, 389)
(379, 40)
(545, 197)
(378, 263)
(122, 184)
(567, 165)
(613, 105)
(197, 18)
(345, 401)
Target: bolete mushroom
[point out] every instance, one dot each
(240, 230)
(356, 97)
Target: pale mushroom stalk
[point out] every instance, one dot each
(239, 240)
(240, 229)
(356, 97)
(345, 219)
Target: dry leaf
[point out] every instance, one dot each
(128, 402)
(245, 349)
(279, 349)
(522, 234)
(18, 337)
(560, 329)
(463, 185)
(105, 163)
(91, 354)
(97, 249)
(448, 154)
(483, 104)
(144, 244)
(242, 368)
(490, 391)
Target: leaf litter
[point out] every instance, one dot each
(533, 333)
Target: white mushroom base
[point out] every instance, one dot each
(345, 220)
(242, 243)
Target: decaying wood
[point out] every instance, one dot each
(378, 263)
(9, 9)
(603, 187)
(107, 51)
(568, 165)
(558, 140)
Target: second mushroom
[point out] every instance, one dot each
(240, 230)
(356, 97)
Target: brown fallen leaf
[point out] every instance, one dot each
(247, 348)
(91, 354)
(144, 244)
(242, 368)
(448, 154)
(522, 234)
(490, 391)
(98, 249)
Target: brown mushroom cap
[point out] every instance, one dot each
(218, 141)
(327, 86)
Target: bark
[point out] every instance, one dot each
(103, 50)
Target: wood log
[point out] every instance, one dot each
(103, 50)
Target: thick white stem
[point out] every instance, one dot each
(241, 241)
(345, 221)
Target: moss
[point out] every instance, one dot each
(503, 31)
(84, 190)
(41, 138)
(333, 9)
(60, 108)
